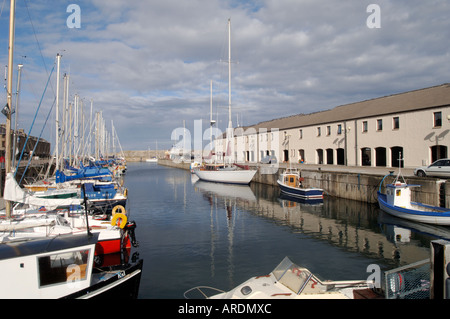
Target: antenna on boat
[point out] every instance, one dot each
(86, 210)
(400, 159)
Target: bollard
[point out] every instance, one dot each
(440, 257)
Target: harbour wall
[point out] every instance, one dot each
(352, 185)
(141, 156)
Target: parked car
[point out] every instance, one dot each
(440, 168)
(270, 159)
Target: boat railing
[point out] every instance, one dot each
(203, 291)
(412, 281)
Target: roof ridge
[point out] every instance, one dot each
(349, 105)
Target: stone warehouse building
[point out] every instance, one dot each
(42, 150)
(414, 126)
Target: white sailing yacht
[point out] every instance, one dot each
(223, 173)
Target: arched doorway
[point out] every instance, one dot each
(330, 156)
(319, 152)
(397, 156)
(380, 156)
(366, 156)
(438, 152)
(340, 156)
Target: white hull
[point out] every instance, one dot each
(287, 281)
(416, 215)
(227, 176)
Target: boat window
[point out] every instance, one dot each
(63, 267)
(291, 275)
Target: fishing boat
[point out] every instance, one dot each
(221, 173)
(290, 281)
(397, 202)
(290, 183)
(64, 267)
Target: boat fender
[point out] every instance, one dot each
(125, 192)
(118, 207)
(123, 220)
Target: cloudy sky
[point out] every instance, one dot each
(147, 65)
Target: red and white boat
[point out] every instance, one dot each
(45, 219)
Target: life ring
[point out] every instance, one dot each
(123, 220)
(118, 207)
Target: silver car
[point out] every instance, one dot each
(440, 168)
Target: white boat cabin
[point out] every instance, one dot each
(399, 194)
(46, 268)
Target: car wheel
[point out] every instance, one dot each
(421, 174)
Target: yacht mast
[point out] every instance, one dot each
(230, 124)
(58, 62)
(9, 99)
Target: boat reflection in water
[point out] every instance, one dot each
(400, 230)
(223, 236)
(351, 225)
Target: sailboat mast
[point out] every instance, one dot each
(58, 62)
(210, 114)
(9, 98)
(230, 124)
(16, 114)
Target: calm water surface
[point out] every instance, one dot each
(197, 233)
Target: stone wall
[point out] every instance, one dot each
(354, 186)
(141, 156)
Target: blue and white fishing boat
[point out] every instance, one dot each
(290, 183)
(397, 202)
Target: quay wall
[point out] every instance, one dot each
(141, 156)
(351, 185)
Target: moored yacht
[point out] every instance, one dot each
(221, 173)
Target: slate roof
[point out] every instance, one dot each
(431, 97)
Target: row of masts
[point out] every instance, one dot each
(68, 142)
(76, 132)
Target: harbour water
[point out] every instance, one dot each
(194, 233)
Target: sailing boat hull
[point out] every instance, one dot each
(227, 176)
